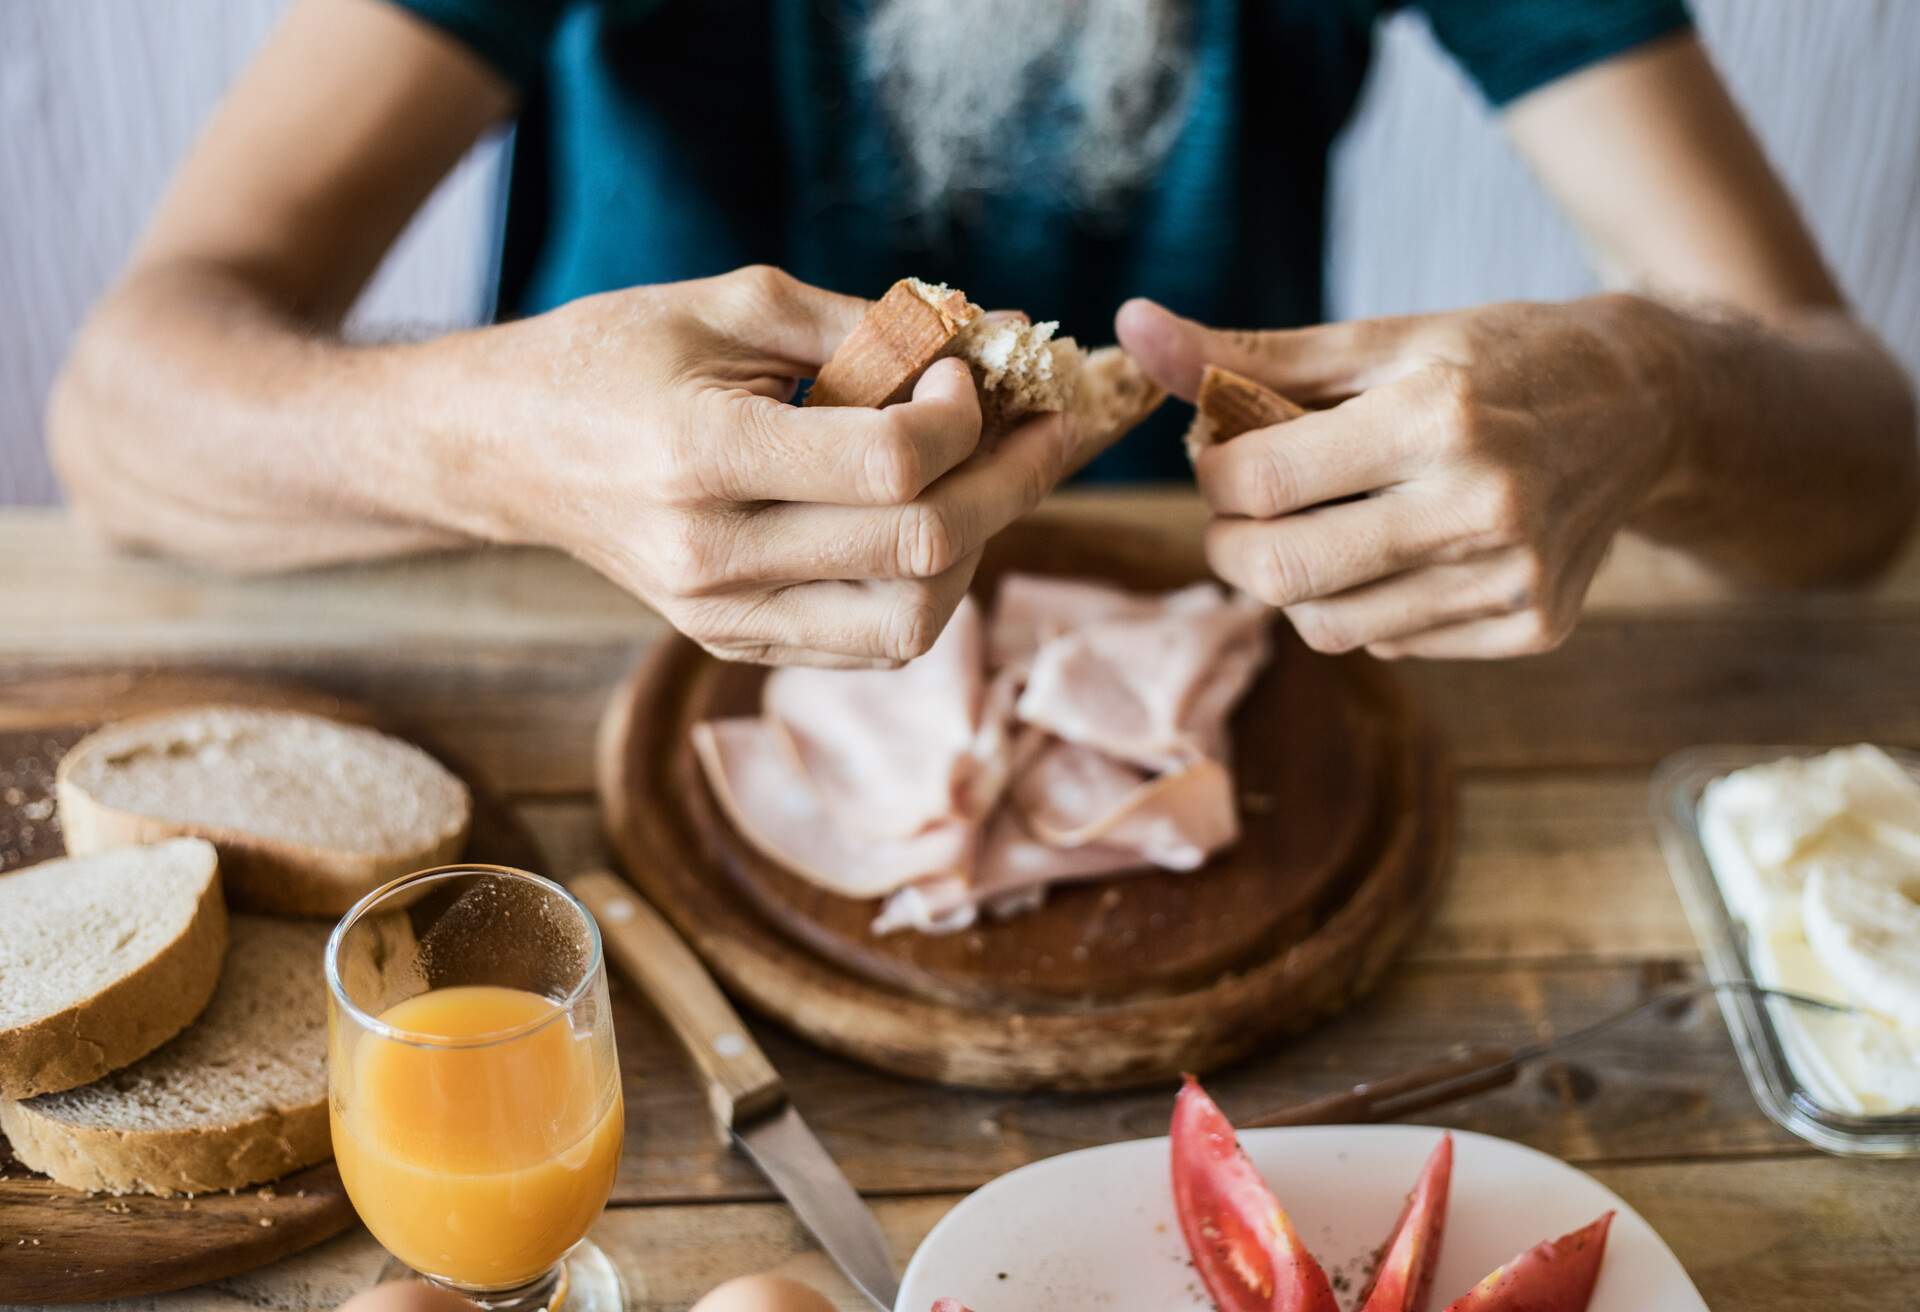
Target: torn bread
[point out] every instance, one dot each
(104, 958)
(1229, 405)
(308, 814)
(1019, 368)
(236, 1099)
(1111, 396)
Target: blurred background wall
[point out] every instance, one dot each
(98, 98)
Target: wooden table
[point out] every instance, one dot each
(1560, 909)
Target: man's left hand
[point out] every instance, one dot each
(1458, 495)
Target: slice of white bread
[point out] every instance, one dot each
(238, 1098)
(104, 958)
(309, 814)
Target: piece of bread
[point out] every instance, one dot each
(308, 814)
(913, 325)
(104, 958)
(238, 1098)
(1229, 405)
(1019, 368)
(1112, 395)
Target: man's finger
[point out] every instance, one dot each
(1317, 553)
(1520, 633)
(1321, 363)
(1360, 446)
(923, 539)
(1415, 602)
(839, 622)
(759, 449)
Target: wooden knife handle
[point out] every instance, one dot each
(741, 1082)
(1397, 1095)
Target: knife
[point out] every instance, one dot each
(748, 1100)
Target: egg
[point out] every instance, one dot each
(406, 1296)
(763, 1294)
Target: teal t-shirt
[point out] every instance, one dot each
(669, 139)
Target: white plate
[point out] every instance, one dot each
(1095, 1229)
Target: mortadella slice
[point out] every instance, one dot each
(889, 751)
(1152, 691)
(773, 805)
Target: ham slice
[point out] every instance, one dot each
(1081, 733)
(1154, 690)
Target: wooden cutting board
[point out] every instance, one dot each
(1346, 807)
(61, 1246)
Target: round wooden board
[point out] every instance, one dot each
(1347, 803)
(62, 1246)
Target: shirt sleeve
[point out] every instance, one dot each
(1511, 47)
(512, 36)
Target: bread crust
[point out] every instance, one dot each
(166, 1162)
(1230, 404)
(892, 345)
(261, 874)
(128, 1018)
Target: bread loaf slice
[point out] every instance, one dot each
(308, 814)
(104, 958)
(238, 1098)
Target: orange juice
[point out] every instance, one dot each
(480, 1164)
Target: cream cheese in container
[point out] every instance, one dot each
(1802, 870)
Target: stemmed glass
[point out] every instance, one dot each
(473, 1089)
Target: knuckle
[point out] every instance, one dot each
(1320, 629)
(1279, 575)
(762, 281)
(1506, 512)
(1268, 484)
(911, 628)
(1454, 402)
(681, 479)
(892, 469)
(693, 563)
(927, 542)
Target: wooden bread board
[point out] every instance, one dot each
(1347, 811)
(58, 1245)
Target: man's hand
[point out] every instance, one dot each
(649, 432)
(1462, 489)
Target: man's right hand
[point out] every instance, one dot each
(650, 433)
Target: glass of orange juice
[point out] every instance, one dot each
(473, 1089)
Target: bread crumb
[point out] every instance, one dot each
(266, 1192)
(265, 1222)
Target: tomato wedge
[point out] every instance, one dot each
(1555, 1276)
(1243, 1246)
(949, 1305)
(1404, 1277)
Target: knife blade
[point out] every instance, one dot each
(748, 1100)
(785, 1150)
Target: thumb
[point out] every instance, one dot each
(1326, 362)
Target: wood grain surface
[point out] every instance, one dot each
(67, 1246)
(1559, 908)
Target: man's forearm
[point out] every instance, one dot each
(1796, 460)
(195, 418)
